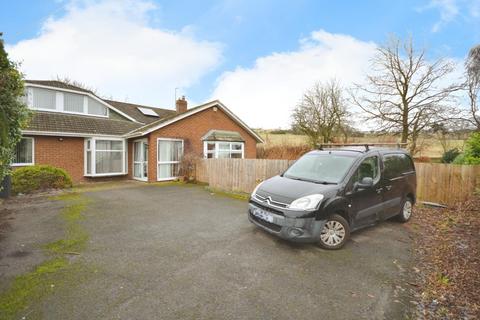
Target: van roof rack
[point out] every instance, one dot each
(367, 146)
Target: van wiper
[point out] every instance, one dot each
(321, 182)
(295, 178)
(324, 182)
(310, 180)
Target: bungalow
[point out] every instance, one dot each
(90, 137)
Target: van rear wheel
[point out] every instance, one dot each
(335, 233)
(406, 211)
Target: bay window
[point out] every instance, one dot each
(104, 157)
(24, 152)
(223, 149)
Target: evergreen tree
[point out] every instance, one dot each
(14, 114)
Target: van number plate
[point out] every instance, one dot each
(262, 214)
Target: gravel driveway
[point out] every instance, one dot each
(181, 252)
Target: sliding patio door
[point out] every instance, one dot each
(169, 155)
(140, 160)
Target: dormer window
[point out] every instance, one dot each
(73, 102)
(96, 108)
(44, 99)
(63, 101)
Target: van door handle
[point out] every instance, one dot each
(379, 190)
(388, 188)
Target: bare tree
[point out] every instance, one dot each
(321, 112)
(405, 93)
(76, 83)
(472, 66)
(440, 132)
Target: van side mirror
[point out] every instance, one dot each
(366, 182)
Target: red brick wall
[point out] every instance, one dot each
(68, 153)
(62, 152)
(191, 130)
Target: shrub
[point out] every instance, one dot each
(188, 166)
(473, 145)
(287, 152)
(471, 160)
(450, 155)
(279, 131)
(39, 177)
(472, 151)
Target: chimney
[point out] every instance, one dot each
(181, 105)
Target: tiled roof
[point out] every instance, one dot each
(176, 117)
(68, 123)
(132, 110)
(58, 84)
(160, 121)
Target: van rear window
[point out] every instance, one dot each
(396, 164)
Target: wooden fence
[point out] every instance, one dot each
(446, 183)
(442, 183)
(238, 175)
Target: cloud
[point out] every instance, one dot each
(111, 46)
(265, 94)
(448, 12)
(451, 9)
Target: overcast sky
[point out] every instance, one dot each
(257, 57)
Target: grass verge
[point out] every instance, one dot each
(235, 195)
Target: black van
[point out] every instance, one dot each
(328, 193)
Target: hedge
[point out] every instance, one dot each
(38, 178)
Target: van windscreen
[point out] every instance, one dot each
(320, 168)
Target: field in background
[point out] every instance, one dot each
(278, 144)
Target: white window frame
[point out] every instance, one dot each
(93, 152)
(60, 100)
(168, 162)
(86, 108)
(142, 142)
(206, 151)
(33, 155)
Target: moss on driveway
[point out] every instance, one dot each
(30, 288)
(173, 250)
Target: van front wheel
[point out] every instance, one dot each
(335, 233)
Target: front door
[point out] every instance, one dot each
(367, 203)
(169, 155)
(140, 160)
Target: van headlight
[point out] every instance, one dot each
(308, 203)
(256, 188)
